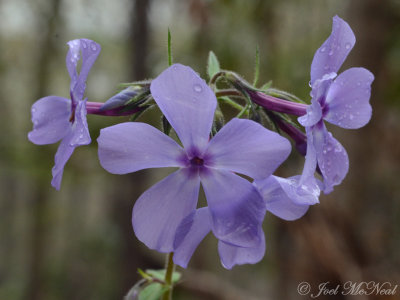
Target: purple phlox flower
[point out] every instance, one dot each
(281, 197)
(341, 100)
(243, 146)
(56, 118)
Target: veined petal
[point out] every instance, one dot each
(331, 55)
(80, 129)
(191, 231)
(187, 102)
(332, 158)
(64, 152)
(133, 146)
(50, 117)
(248, 148)
(233, 255)
(348, 99)
(236, 207)
(90, 50)
(159, 210)
(285, 198)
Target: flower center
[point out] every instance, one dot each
(196, 162)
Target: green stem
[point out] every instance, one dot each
(168, 276)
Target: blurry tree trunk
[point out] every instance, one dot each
(39, 227)
(131, 186)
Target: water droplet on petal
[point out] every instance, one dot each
(324, 151)
(33, 110)
(348, 45)
(93, 46)
(84, 44)
(323, 49)
(351, 117)
(197, 88)
(330, 52)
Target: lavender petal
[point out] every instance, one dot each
(187, 102)
(132, 146)
(236, 207)
(50, 118)
(348, 99)
(248, 148)
(159, 210)
(233, 255)
(331, 55)
(191, 231)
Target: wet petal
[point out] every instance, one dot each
(133, 146)
(63, 154)
(90, 50)
(310, 164)
(332, 158)
(348, 99)
(159, 210)
(233, 255)
(187, 102)
(189, 234)
(248, 148)
(50, 118)
(313, 115)
(80, 129)
(285, 198)
(236, 207)
(331, 55)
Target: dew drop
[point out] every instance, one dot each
(324, 151)
(351, 117)
(323, 49)
(348, 45)
(35, 122)
(33, 110)
(93, 46)
(84, 44)
(330, 52)
(197, 88)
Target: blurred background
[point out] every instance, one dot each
(78, 243)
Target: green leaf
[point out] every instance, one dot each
(257, 67)
(212, 65)
(160, 274)
(266, 86)
(169, 49)
(152, 292)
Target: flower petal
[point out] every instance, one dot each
(80, 130)
(313, 115)
(236, 207)
(331, 55)
(50, 117)
(190, 233)
(310, 164)
(132, 146)
(187, 102)
(348, 99)
(332, 158)
(248, 148)
(284, 198)
(159, 210)
(63, 154)
(233, 255)
(90, 50)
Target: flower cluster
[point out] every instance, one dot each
(167, 217)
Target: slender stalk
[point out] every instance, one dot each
(170, 268)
